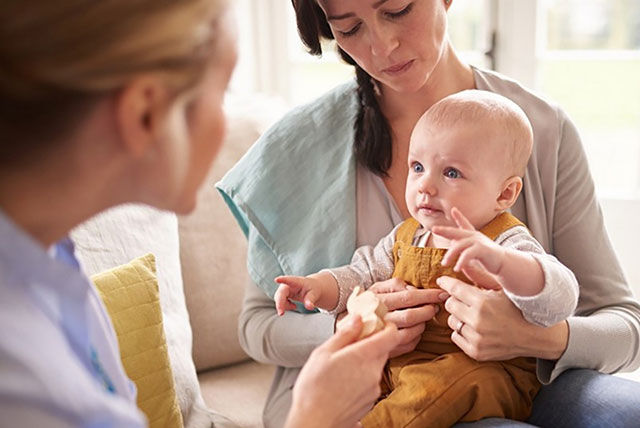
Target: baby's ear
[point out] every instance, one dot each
(510, 190)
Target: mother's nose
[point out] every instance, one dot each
(383, 40)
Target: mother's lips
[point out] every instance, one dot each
(398, 67)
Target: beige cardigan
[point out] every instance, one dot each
(558, 204)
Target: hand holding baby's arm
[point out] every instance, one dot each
(516, 271)
(316, 290)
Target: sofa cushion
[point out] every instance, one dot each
(130, 294)
(123, 233)
(239, 390)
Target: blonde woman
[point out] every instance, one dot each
(103, 103)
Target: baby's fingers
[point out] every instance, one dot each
(455, 250)
(450, 232)
(467, 255)
(282, 298)
(461, 220)
(480, 276)
(311, 298)
(295, 282)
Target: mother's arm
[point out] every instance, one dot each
(286, 340)
(605, 332)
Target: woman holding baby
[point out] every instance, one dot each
(332, 178)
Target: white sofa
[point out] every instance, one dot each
(202, 275)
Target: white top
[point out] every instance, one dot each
(59, 358)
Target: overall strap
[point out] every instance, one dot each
(500, 224)
(407, 231)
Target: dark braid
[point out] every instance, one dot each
(372, 145)
(373, 137)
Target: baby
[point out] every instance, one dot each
(467, 156)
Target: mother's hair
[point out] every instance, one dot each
(59, 57)
(373, 135)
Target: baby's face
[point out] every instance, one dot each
(463, 167)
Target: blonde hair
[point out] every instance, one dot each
(505, 117)
(59, 57)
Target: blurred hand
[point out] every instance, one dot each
(341, 380)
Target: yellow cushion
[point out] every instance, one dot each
(130, 293)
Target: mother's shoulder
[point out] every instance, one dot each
(540, 110)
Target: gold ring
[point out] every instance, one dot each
(459, 327)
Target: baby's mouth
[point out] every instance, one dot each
(429, 210)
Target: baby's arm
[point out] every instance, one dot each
(368, 266)
(316, 290)
(544, 289)
(558, 298)
(330, 288)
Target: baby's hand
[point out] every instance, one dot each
(298, 288)
(472, 249)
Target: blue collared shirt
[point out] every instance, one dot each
(59, 357)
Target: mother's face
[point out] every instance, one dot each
(397, 42)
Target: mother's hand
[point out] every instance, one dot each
(493, 328)
(409, 309)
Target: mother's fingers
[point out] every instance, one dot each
(409, 317)
(411, 297)
(466, 293)
(388, 286)
(409, 338)
(461, 311)
(464, 335)
(403, 348)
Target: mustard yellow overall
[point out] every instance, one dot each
(437, 385)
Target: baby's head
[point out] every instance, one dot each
(470, 151)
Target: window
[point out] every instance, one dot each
(312, 76)
(589, 63)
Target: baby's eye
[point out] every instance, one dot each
(452, 173)
(417, 167)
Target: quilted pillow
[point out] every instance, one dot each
(130, 294)
(118, 235)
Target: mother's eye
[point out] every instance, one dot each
(350, 32)
(400, 13)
